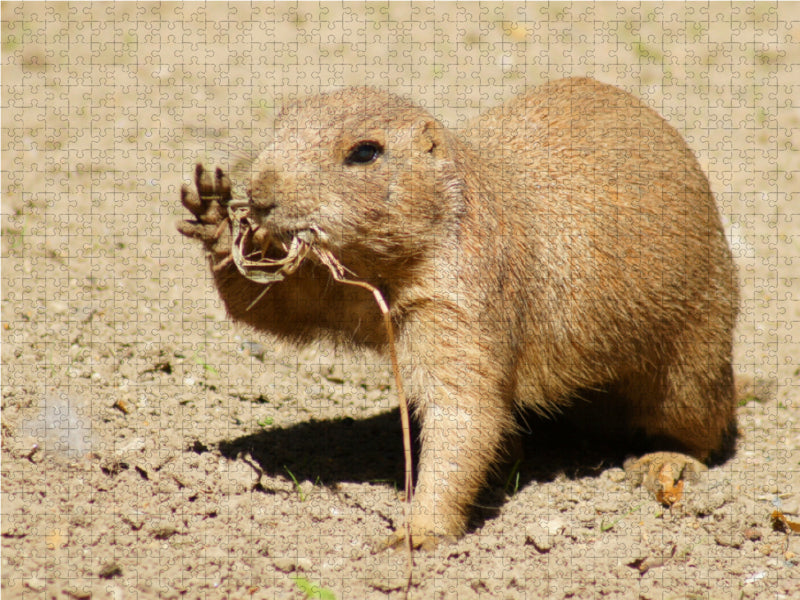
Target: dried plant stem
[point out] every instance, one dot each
(302, 245)
(404, 416)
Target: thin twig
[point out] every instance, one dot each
(404, 418)
(301, 246)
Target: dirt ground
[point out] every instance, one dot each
(152, 449)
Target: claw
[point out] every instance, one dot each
(224, 187)
(205, 185)
(190, 200)
(419, 541)
(220, 228)
(193, 229)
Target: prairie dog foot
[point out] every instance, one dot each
(660, 471)
(422, 538)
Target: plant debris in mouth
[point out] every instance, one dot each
(251, 249)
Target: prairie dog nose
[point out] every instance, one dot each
(261, 191)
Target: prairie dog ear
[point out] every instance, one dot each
(430, 137)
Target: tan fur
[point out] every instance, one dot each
(568, 240)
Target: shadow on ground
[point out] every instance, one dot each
(370, 451)
(329, 452)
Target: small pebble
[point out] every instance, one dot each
(752, 534)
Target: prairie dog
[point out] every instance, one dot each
(566, 240)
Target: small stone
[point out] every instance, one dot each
(793, 549)
(758, 576)
(110, 570)
(603, 506)
(731, 538)
(479, 586)
(255, 349)
(35, 584)
(58, 308)
(122, 406)
(542, 535)
(752, 533)
(77, 593)
(554, 526)
(164, 532)
(791, 505)
(285, 564)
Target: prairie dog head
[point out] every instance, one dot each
(368, 171)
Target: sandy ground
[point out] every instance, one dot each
(151, 449)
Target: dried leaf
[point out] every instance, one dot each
(781, 523)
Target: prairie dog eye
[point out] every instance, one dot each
(363, 153)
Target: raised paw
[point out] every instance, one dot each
(207, 200)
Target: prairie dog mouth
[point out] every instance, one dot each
(262, 258)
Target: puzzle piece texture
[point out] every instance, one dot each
(152, 448)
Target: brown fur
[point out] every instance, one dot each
(568, 240)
